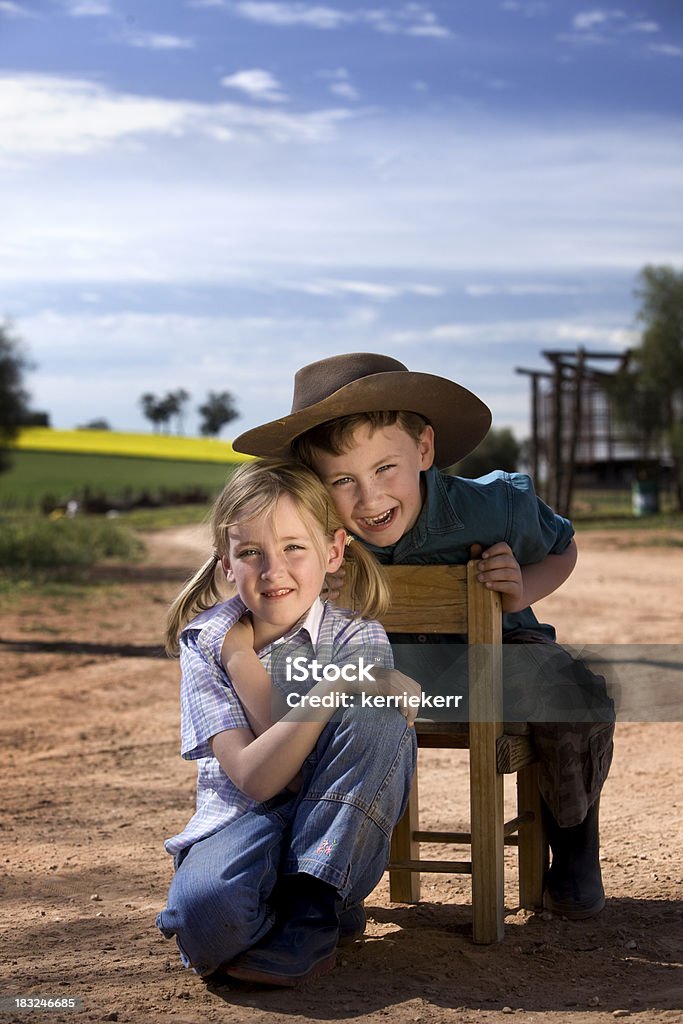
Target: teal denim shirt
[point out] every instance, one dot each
(457, 513)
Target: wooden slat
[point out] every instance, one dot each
(424, 598)
(533, 842)
(441, 867)
(404, 883)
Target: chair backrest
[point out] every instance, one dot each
(438, 599)
(450, 599)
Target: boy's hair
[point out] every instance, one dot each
(254, 490)
(336, 436)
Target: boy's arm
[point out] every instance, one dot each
(521, 586)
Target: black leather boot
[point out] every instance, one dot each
(574, 881)
(303, 940)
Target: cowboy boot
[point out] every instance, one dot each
(574, 882)
(302, 942)
(352, 922)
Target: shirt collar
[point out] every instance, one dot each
(213, 623)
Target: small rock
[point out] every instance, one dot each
(97, 899)
(621, 1013)
(594, 1001)
(507, 1009)
(632, 944)
(111, 1016)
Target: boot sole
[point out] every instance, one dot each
(572, 911)
(246, 973)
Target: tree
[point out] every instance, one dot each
(13, 398)
(499, 450)
(97, 424)
(161, 410)
(174, 403)
(648, 392)
(218, 409)
(156, 410)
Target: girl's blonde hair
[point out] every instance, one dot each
(254, 490)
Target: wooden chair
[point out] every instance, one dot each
(449, 599)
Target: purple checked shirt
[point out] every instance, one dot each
(209, 704)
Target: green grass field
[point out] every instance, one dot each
(63, 475)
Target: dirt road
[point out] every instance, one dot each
(93, 783)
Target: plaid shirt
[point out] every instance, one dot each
(209, 704)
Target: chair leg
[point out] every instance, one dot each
(404, 884)
(487, 818)
(533, 843)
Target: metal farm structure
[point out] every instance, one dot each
(575, 437)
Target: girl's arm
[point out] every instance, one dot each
(262, 766)
(251, 682)
(522, 586)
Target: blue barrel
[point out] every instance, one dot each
(645, 497)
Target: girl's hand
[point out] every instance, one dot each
(391, 682)
(499, 570)
(239, 637)
(334, 581)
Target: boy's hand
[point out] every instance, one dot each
(391, 682)
(499, 570)
(239, 637)
(334, 581)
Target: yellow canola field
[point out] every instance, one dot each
(142, 446)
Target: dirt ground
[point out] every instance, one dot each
(93, 783)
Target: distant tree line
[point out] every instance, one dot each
(218, 409)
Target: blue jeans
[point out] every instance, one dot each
(355, 787)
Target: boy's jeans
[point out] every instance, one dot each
(356, 784)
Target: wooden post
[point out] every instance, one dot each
(486, 785)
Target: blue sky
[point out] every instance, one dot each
(211, 193)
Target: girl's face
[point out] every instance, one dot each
(278, 564)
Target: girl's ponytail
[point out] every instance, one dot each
(369, 589)
(199, 593)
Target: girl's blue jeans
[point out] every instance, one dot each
(355, 787)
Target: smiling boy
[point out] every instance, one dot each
(375, 433)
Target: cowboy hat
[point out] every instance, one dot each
(361, 382)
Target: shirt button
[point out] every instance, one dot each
(421, 639)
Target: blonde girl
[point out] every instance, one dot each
(294, 813)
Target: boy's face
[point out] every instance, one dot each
(375, 484)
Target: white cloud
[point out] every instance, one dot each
(644, 26)
(373, 290)
(529, 8)
(584, 21)
(528, 288)
(88, 8)
(158, 41)
(51, 115)
(606, 25)
(312, 16)
(340, 83)
(15, 10)
(256, 83)
(536, 334)
(666, 49)
(411, 19)
(112, 187)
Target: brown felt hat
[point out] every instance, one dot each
(364, 382)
